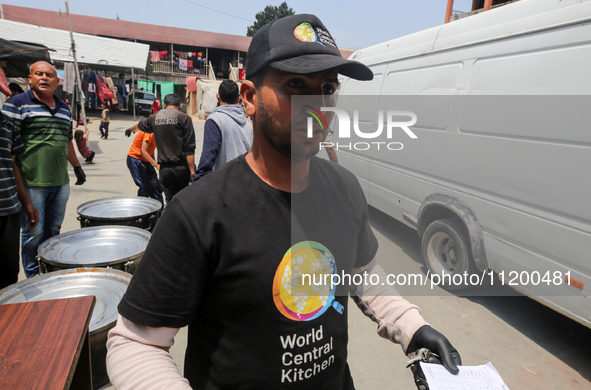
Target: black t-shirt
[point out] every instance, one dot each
(175, 135)
(221, 259)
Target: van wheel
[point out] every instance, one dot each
(445, 251)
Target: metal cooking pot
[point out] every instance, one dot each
(135, 211)
(120, 247)
(107, 285)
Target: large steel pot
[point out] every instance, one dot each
(135, 211)
(120, 247)
(107, 285)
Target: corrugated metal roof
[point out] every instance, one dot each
(90, 49)
(128, 30)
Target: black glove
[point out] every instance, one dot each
(128, 132)
(427, 337)
(79, 175)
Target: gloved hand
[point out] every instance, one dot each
(80, 175)
(127, 132)
(427, 337)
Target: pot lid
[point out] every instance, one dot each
(107, 285)
(119, 207)
(95, 246)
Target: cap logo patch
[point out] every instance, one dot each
(324, 37)
(305, 33)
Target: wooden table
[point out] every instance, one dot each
(45, 344)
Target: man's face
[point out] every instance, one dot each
(43, 78)
(273, 113)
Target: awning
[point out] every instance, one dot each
(105, 53)
(19, 56)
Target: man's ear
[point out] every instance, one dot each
(248, 92)
(217, 96)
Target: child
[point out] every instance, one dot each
(82, 142)
(156, 105)
(104, 122)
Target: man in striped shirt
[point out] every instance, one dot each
(12, 191)
(44, 123)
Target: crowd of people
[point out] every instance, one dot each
(218, 256)
(37, 180)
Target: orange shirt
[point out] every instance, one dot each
(136, 146)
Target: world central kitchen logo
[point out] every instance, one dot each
(393, 121)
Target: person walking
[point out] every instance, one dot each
(13, 199)
(227, 133)
(229, 255)
(141, 164)
(156, 105)
(45, 125)
(104, 126)
(175, 137)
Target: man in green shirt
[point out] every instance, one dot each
(45, 125)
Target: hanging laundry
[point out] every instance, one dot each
(182, 64)
(184, 55)
(121, 91)
(69, 77)
(154, 56)
(191, 84)
(111, 85)
(91, 85)
(189, 65)
(164, 55)
(103, 90)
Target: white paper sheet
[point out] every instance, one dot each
(483, 377)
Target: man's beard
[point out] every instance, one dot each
(280, 138)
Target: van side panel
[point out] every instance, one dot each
(503, 131)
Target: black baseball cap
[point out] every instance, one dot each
(299, 44)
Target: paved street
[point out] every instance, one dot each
(531, 346)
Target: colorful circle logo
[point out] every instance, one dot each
(302, 288)
(305, 33)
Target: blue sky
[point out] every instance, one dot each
(353, 24)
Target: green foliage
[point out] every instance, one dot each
(269, 14)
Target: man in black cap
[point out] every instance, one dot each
(230, 255)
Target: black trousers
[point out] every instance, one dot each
(174, 177)
(10, 234)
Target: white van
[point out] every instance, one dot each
(490, 184)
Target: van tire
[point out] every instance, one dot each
(444, 247)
